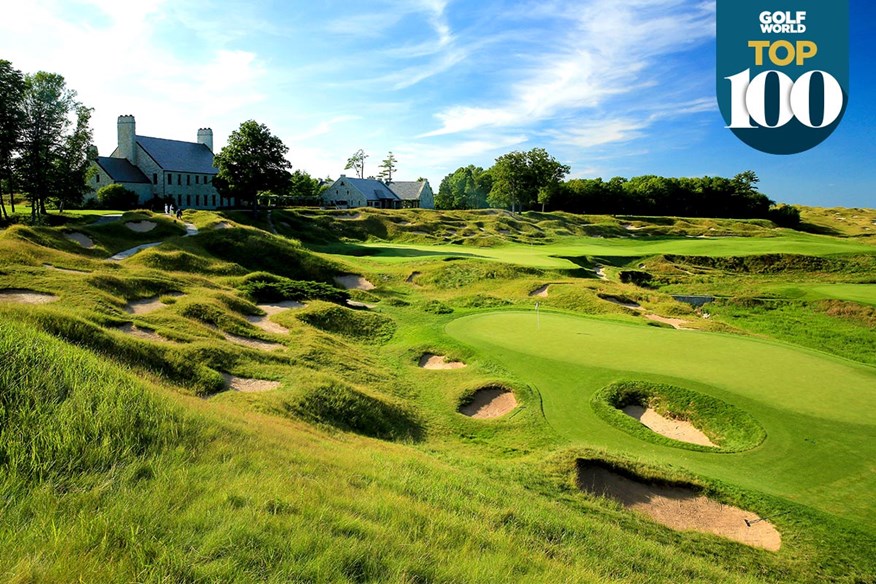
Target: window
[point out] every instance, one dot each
(188, 200)
(197, 200)
(206, 181)
(188, 180)
(197, 179)
(169, 178)
(214, 200)
(179, 180)
(179, 200)
(97, 177)
(155, 178)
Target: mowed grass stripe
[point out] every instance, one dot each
(817, 410)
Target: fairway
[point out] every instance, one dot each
(817, 410)
(553, 256)
(863, 293)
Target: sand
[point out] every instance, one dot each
(681, 430)
(275, 307)
(600, 273)
(489, 402)
(141, 226)
(679, 508)
(146, 305)
(541, 292)
(26, 296)
(80, 238)
(676, 323)
(432, 361)
(360, 305)
(625, 303)
(247, 385)
(129, 252)
(140, 333)
(354, 282)
(348, 216)
(65, 270)
(253, 343)
(264, 323)
(222, 225)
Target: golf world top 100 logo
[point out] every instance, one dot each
(782, 71)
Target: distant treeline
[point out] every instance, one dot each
(534, 180)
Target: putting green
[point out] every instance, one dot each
(817, 410)
(553, 256)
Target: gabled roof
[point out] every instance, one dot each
(408, 190)
(178, 156)
(374, 190)
(120, 170)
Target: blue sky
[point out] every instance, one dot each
(608, 87)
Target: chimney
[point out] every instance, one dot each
(205, 137)
(127, 139)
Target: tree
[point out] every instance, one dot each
(388, 166)
(53, 158)
(465, 188)
(519, 176)
(254, 160)
(11, 120)
(115, 196)
(303, 188)
(357, 162)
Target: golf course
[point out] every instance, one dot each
(410, 395)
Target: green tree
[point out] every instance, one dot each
(357, 163)
(518, 177)
(11, 121)
(54, 151)
(115, 196)
(254, 160)
(303, 188)
(465, 188)
(388, 166)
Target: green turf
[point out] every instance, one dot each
(817, 410)
(553, 256)
(863, 293)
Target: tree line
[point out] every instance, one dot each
(45, 140)
(535, 180)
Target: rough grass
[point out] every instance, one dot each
(353, 324)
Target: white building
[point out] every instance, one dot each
(368, 192)
(161, 171)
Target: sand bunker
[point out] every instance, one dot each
(26, 296)
(489, 402)
(676, 323)
(146, 305)
(140, 333)
(360, 305)
(275, 307)
(410, 279)
(541, 292)
(679, 508)
(600, 273)
(247, 385)
(80, 238)
(354, 282)
(65, 270)
(348, 216)
(264, 323)
(222, 225)
(253, 343)
(141, 226)
(623, 302)
(432, 361)
(681, 430)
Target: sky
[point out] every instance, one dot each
(611, 88)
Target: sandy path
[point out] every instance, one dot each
(146, 305)
(141, 226)
(676, 323)
(264, 323)
(357, 304)
(26, 296)
(541, 292)
(247, 385)
(80, 238)
(354, 282)
(489, 402)
(140, 333)
(129, 252)
(432, 361)
(681, 430)
(679, 508)
(253, 343)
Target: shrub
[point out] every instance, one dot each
(265, 287)
(115, 196)
(785, 216)
(355, 324)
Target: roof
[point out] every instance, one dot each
(409, 190)
(120, 170)
(179, 156)
(373, 189)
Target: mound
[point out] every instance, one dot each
(432, 361)
(26, 296)
(251, 343)
(80, 238)
(354, 282)
(141, 226)
(680, 508)
(356, 324)
(489, 402)
(620, 301)
(65, 270)
(140, 333)
(681, 430)
(146, 305)
(247, 385)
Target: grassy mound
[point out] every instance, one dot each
(64, 412)
(341, 406)
(265, 287)
(354, 324)
(730, 428)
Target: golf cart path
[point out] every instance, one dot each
(190, 230)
